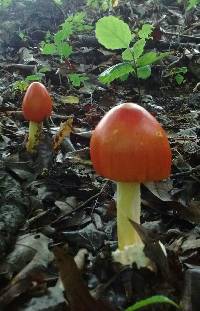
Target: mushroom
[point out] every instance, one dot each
(130, 147)
(36, 107)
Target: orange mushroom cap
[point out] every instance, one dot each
(129, 145)
(37, 104)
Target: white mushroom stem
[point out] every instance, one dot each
(128, 207)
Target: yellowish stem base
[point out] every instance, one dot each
(35, 130)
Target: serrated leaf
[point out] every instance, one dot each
(113, 33)
(146, 31)
(144, 72)
(150, 58)
(77, 79)
(151, 300)
(138, 48)
(49, 49)
(64, 49)
(115, 72)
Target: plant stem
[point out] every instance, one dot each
(128, 207)
(35, 130)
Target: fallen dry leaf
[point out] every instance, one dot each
(76, 291)
(64, 132)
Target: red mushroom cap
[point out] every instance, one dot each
(130, 145)
(37, 104)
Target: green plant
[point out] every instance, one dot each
(77, 79)
(115, 34)
(22, 85)
(192, 4)
(58, 44)
(102, 5)
(5, 3)
(189, 4)
(178, 74)
(150, 301)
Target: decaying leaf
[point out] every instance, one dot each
(69, 99)
(31, 253)
(76, 291)
(64, 132)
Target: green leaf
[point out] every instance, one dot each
(138, 48)
(179, 79)
(37, 77)
(62, 34)
(64, 49)
(127, 55)
(113, 33)
(49, 49)
(144, 72)
(182, 70)
(77, 79)
(146, 31)
(115, 72)
(150, 58)
(44, 69)
(192, 4)
(152, 300)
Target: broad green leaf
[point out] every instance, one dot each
(49, 49)
(150, 58)
(115, 72)
(152, 300)
(127, 55)
(138, 48)
(146, 31)
(113, 33)
(144, 72)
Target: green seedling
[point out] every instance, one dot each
(115, 34)
(22, 85)
(178, 74)
(77, 79)
(59, 43)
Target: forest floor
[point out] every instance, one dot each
(55, 198)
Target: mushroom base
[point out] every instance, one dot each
(132, 254)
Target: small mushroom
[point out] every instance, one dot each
(129, 146)
(36, 107)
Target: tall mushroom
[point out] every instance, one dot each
(36, 107)
(129, 146)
